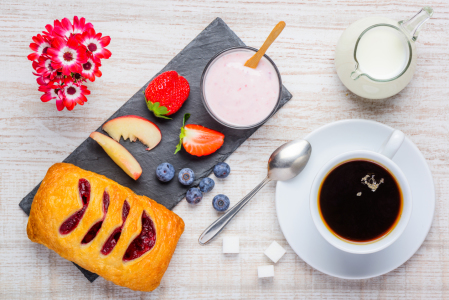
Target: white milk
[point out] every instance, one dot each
(383, 53)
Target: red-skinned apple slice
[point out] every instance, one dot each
(118, 154)
(134, 127)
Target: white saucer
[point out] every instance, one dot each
(292, 202)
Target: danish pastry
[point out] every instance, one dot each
(104, 227)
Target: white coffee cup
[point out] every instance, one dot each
(382, 157)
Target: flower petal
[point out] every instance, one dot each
(59, 104)
(33, 56)
(104, 41)
(106, 53)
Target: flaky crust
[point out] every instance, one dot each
(58, 198)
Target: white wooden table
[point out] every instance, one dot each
(145, 36)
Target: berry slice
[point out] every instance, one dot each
(134, 127)
(199, 140)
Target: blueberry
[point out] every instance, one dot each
(194, 195)
(186, 176)
(206, 184)
(222, 170)
(165, 172)
(221, 202)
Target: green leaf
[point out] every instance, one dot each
(186, 117)
(181, 137)
(183, 133)
(159, 111)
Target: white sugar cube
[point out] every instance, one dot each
(275, 252)
(265, 271)
(231, 244)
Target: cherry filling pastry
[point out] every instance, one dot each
(109, 230)
(115, 236)
(70, 224)
(144, 242)
(139, 246)
(93, 231)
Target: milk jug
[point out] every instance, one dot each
(376, 56)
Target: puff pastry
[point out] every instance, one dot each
(104, 227)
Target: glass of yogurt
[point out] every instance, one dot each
(237, 96)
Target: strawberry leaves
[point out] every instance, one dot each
(159, 111)
(183, 132)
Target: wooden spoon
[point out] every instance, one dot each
(254, 60)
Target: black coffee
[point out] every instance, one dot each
(360, 201)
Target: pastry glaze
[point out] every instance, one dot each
(58, 198)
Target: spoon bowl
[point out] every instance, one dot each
(286, 162)
(289, 160)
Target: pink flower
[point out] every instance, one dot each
(79, 26)
(66, 30)
(42, 80)
(49, 34)
(44, 67)
(40, 47)
(52, 92)
(73, 94)
(64, 57)
(90, 70)
(95, 44)
(67, 55)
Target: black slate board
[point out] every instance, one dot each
(189, 63)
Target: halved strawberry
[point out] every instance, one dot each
(199, 140)
(166, 93)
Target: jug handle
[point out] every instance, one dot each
(413, 25)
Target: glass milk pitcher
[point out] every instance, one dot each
(376, 56)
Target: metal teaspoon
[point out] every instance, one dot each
(285, 162)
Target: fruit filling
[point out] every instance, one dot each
(144, 242)
(115, 236)
(70, 224)
(93, 231)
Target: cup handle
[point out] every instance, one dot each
(392, 144)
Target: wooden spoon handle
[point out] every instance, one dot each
(254, 60)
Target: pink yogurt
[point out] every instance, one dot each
(240, 96)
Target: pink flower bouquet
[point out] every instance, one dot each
(64, 57)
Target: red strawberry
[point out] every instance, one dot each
(166, 93)
(199, 140)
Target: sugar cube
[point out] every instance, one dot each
(265, 271)
(231, 244)
(275, 252)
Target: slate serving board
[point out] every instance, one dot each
(189, 63)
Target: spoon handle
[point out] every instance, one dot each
(216, 227)
(254, 60)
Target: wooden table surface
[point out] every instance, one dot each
(145, 36)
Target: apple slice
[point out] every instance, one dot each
(119, 155)
(134, 127)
